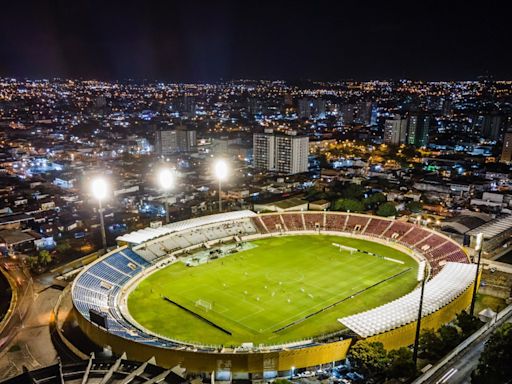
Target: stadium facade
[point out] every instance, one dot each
(100, 290)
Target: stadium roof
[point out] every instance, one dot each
(493, 227)
(463, 223)
(445, 287)
(146, 234)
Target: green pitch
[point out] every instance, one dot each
(255, 293)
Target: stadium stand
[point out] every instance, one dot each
(99, 285)
(102, 370)
(313, 220)
(356, 223)
(272, 222)
(451, 282)
(294, 222)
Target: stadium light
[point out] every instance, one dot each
(221, 170)
(166, 180)
(420, 278)
(478, 248)
(99, 189)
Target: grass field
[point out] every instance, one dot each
(281, 280)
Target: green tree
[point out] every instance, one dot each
(45, 257)
(376, 198)
(431, 345)
(348, 205)
(63, 246)
(414, 206)
(450, 337)
(495, 365)
(369, 357)
(401, 364)
(352, 191)
(33, 262)
(386, 209)
(468, 324)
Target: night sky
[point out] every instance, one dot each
(292, 40)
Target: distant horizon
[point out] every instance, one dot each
(288, 81)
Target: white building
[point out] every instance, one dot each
(178, 140)
(395, 130)
(282, 153)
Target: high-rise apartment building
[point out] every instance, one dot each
(172, 141)
(506, 150)
(418, 130)
(282, 153)
(395, 130)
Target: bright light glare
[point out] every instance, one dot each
(421, 271)
(166, 179)
(221, 169)
(479, 240)
(99, 188)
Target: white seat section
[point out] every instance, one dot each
(147, 234)
(445, 287)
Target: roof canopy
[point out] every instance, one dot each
(147, 234)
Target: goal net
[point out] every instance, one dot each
(204, 304)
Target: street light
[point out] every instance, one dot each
(420, 278)
(166, 181)
(221, 171)
(478, 247)
(99, 190)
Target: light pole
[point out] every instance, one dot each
(421, 277)
(221, 173)
(166, 181)
(99, 189)
(478, 247)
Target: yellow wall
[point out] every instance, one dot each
(404, 336)
(268, 361)
(207, 362)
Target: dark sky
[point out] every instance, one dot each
(194, 41)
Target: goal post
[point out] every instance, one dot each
(206, 305)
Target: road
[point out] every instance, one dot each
(458, 370)
(27, 336)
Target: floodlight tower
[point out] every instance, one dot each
(420, 278)
(478, 247)
(99, 188)
(167, 182)
(221, 171)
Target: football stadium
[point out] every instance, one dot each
(250, 295)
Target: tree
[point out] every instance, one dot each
(431, 345)
(369, 357)
(348, 205)
(63, 246)
(450, 337)
(376, 198)
(494, 364)
(45, 257)
(352, 191)
(468, 324)
(386, 209)
(401, 363)
(33, 262)
(414, 206)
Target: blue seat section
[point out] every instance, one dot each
(108, 274)
(99, 287)
(135, 257)
(121, 263)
